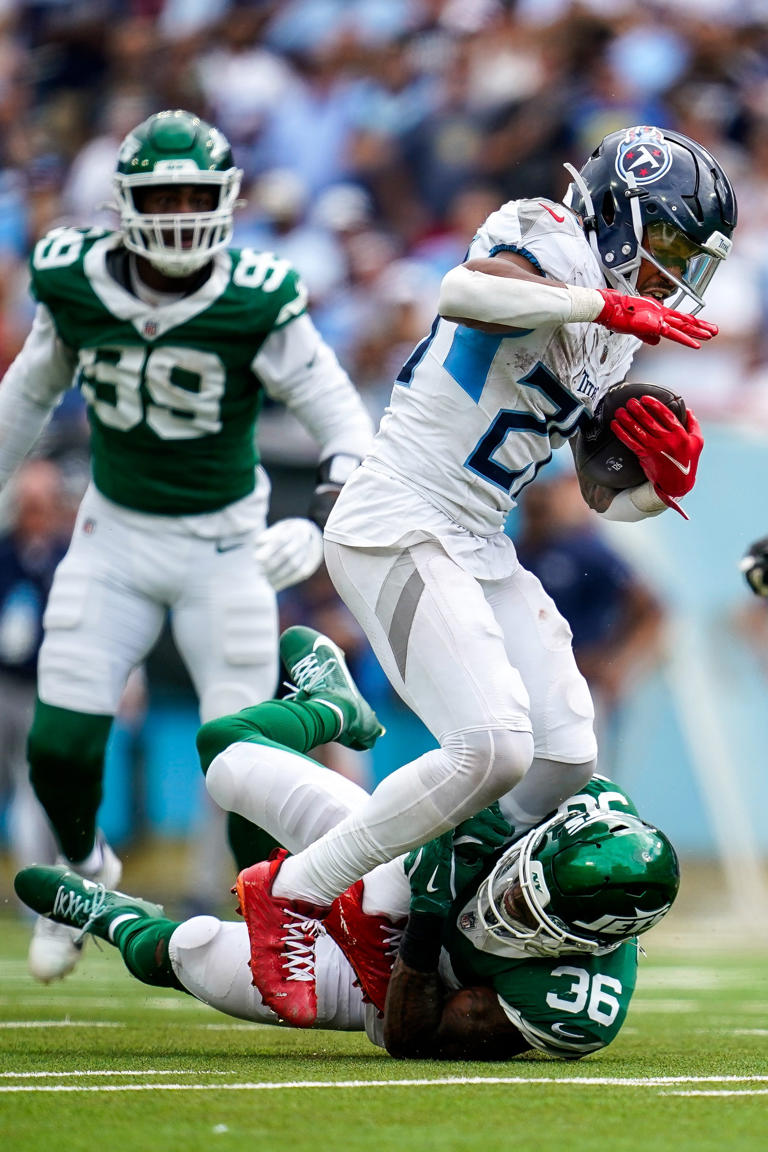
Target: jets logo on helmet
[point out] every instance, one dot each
(643, 156)
(579, 883)
(623, 926)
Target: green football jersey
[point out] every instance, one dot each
(173, 400)
(567, 1005)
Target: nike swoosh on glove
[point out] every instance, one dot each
(668, 451)
(649, 320)
(290, 551)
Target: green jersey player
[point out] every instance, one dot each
(174, 339)
(534, 935)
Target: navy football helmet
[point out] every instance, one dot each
(650, 194)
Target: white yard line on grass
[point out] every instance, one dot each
(572, 1081)
(114, 1072)
(60, 1024)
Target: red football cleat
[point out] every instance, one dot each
(282, 934)
(370, 943)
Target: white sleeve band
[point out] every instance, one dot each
(515, 302)
(41, 372)
(300, 370)
(634, 504)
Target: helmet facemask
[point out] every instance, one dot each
(176, 148)
(529, 900)
(689, 266)
(177, 244)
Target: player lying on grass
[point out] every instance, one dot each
(505, 943)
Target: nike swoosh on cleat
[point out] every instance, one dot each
(229, 547)
(684, 469)
(552, 213)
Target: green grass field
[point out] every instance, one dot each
(100, 1062)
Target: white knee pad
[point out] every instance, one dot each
(225, 779)
(193, 934)
(293, 798)
(210, 958)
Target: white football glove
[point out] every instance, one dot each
(290, 551)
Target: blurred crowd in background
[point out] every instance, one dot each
(375, 136)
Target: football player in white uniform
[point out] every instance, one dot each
(544, 315)
(173, 338)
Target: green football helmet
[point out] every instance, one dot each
(580, 883)
(175, 147)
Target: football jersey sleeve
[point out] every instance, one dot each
(547, 234)
(41, 372)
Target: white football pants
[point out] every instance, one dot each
(122, 573)
(488, 667)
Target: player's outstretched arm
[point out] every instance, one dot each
(503, 292)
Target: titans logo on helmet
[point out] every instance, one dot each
(643, 154)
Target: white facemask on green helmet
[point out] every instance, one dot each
(176, 148)
(580, 884)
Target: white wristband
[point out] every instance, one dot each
(586, 304)
(515, 302)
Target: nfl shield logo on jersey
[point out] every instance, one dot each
(150, 329)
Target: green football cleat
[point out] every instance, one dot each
(66, 898)
(318, 672)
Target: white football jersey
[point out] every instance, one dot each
(473, 416)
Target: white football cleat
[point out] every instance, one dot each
(55, 949)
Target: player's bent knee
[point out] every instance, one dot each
(212, 738)
(513, 755)
(496, 753)
(225, 779)
(193, 934)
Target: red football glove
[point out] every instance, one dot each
(667, 450)
(644, 317)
